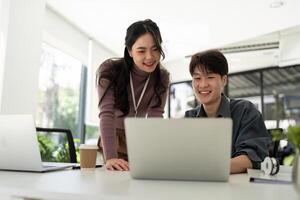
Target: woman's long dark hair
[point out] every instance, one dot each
(118, 75)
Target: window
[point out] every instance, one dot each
(59, 90)
(245, 86)
(181, 99)
(91, 134)
(282, 94)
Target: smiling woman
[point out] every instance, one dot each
(133, 86)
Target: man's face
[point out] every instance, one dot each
(208, 86)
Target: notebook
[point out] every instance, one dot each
(179, 149)
(19, 148)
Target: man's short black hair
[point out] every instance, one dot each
(210, 61)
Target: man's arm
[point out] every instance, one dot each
(240, 164)
(252, 138)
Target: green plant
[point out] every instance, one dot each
(46, 148)
(293, 136)
(277, 135)
(51, 152)
(61, 152)
(77, 142)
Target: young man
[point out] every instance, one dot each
(250, 139)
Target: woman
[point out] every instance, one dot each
(133, 86)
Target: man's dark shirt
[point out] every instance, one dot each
(249, 133)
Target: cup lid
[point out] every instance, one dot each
(88, 146)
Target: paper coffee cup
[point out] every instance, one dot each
(88, 155)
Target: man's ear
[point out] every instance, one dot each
(224, 80)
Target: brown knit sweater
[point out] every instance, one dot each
(111, 121)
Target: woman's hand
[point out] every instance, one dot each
(117, 164)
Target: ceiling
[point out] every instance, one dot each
(186, 26)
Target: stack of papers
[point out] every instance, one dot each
(283, 177)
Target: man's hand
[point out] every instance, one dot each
(240, 164)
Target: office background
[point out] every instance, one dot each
(50, 50)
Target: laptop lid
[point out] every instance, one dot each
(19, 148)
(180, 149)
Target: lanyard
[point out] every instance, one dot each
(136, 106)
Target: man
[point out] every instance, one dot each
(250, 139)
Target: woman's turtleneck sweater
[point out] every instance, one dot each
(111, 117)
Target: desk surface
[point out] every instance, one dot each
(102, 184)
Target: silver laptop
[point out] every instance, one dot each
(19, 148)
(179, 149)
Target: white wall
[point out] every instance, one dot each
(289, 47)
(4, 8)
(62, 35)
(19, 76)
(179, 69)
(98, 55)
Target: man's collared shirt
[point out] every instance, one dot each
(249, 133)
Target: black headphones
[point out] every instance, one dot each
(270, 166)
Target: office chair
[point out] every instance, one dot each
(72, 151)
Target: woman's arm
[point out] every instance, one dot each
(106, 113)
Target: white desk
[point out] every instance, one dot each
(101, 184)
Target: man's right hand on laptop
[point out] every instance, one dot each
(116, 164)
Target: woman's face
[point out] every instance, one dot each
(144, 53)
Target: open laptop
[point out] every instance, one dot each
(179, 149)
(19, 148)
